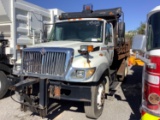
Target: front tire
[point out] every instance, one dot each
(95, 108)
(3, 84)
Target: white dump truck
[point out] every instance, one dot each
(85, 54)
(21, 25)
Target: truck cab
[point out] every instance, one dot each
(81, 58)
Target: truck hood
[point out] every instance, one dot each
(67, 44)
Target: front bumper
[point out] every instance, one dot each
(70, 92)
(58, 90)
(147, 116)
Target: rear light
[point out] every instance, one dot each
(154, 98)
(153, 101)
(151, 87)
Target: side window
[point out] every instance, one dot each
(108, 34)
(150, 37)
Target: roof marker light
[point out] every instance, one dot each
(88, 7)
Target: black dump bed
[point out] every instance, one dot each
(112, 13)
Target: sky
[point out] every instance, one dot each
(135, 11)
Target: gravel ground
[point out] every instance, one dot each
(123, 105)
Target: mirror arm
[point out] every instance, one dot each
(122, 16)
(146, 61)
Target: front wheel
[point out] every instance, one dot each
(95, 108)
(3, 84)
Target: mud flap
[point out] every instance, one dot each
(121, 71)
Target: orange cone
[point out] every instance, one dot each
(129, 63)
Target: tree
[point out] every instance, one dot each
(129, 35)
(141, 29)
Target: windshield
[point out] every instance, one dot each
(153, 31)
(85, 31)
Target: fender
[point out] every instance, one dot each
(100, 71)
(102, 63)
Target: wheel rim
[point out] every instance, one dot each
(100, 96)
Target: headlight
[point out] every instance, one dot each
(78, 74)
(82, 73)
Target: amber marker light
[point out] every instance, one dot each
(88, 8)
(111, 13)
(90, 72)
(90, 48)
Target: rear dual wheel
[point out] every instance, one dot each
(95, 108)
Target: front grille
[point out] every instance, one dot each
(52, 63)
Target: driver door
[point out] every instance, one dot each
(109, 41)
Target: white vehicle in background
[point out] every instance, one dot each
(21, 25)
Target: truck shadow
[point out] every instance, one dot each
(55, 110)
(64, 106)
(132, 88)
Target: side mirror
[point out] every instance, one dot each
(139, 43)
(121, 29)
